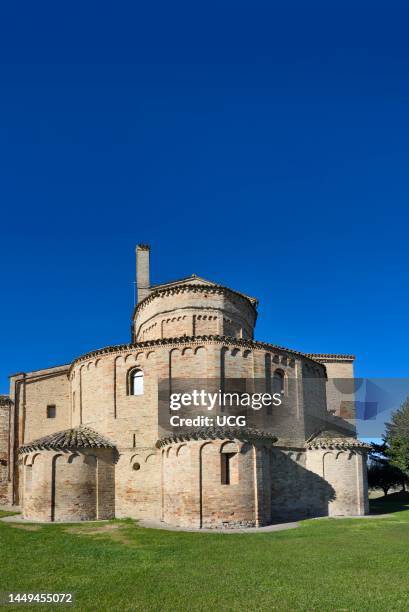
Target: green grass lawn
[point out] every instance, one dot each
(328, 564)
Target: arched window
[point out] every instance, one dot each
(136, 382)
(278, 382)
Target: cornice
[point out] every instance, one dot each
(192, 340)
(341, 443)
(331, 357)
(245, 434)
(51, 371)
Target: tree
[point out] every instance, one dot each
(397, 438)
(383, 475)
(378, 451)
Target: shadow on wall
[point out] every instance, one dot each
(3, 481)
(297, 493)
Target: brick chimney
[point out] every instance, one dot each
(142, 271)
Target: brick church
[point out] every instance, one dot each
(83, 441)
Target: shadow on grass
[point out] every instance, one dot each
(395, 502)
(4, 513)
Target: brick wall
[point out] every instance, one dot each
(195, 495)
(340, 386)
(345, 471)
(138, 484)
(95, 392)
(188, 312)
(4, 447)
(49, 387)
(100, 387)
(314, 382)
(64, 486)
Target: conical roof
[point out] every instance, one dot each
(77, 437)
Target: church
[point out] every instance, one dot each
(86, 441)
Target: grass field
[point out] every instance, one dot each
(329, 564)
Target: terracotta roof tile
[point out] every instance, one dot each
(77, 437)
(335, 439)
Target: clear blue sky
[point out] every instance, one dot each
(261, 145)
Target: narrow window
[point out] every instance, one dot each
(136, 383)
(278, 382)
(51, 411)
(226, 465)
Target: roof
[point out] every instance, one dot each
(77, 437)
(213, 433)
(194, 281)
(187, 280)
(335, 439)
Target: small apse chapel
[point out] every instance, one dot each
(81, 441)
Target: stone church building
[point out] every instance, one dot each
(83, 441)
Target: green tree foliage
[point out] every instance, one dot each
(397, 438)
(383, 475)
